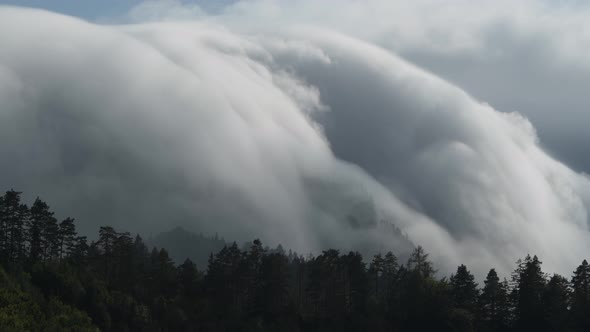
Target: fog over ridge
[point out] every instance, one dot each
(304, 136)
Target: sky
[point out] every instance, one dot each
(463, 126)
(98, 10)
(90, 10)
(461, 69)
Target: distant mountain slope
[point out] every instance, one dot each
(182, 244)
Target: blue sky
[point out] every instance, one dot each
(92, 9)
(97, 9)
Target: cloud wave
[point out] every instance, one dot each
(302, 136)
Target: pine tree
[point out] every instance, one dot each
(8, 214)
(464, 289)
(556, 301)
(107, 237)
(50, 239)
(79, 252)
(188, 277)
(249, 272)
(223, 278)
(493, 304)
(106, 243)
(376, 270)
(355, 282)
(580, 306)
(423, 300)
(165, 274)
(13, 215)
(273, 290)
(19, 233)
(390, 264)
(140, 262)
(530, 286)
(3, 230)
(390, 279)
(66, 237)
(42, 231)
(122, 261)
(322, 290)
(419, 263)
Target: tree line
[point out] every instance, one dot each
(52, 279)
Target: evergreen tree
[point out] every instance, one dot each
(273, 291)
(419, 263)
(464, 289)
(323, 286)
(3, 230)
(79, 252)
(66, 237)
(106, 243)
(42, 231)
(122, 261)
(494, 304)
(390, 279)
(13, 216)
(423, 301)
(117, 285)
(530, 286)
(375, 271)
(390, 265)
(249, 272)
(556, 301)
(355, 282)
(223, 279)
(19, 233)
(188, 277)
(50, 239)
(580, 305)
(163, 275)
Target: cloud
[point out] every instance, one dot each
(147, 126)
(477, 172)
(531, 53)
(164, 10)
(299, 135)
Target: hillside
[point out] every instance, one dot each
(182, 244)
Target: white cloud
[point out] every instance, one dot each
(282, 132)
(162, 10)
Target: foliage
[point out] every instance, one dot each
(52, 279)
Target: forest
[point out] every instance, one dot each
(53, 279)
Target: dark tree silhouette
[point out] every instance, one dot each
(42, 230)
(530, 286)
(556, 301)
(580, 306)
(419, 263)
(66, 238)
(493, 304)
(376, 271)
(13, 216)
(52, 279)
(464, 289)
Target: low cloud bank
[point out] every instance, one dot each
(301, 136)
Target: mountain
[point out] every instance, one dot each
(182, 244)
